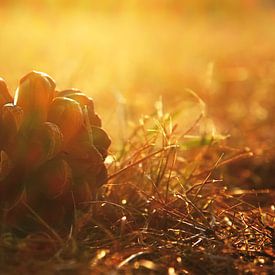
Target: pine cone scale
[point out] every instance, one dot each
(49, 162)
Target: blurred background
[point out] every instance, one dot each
(128, 53)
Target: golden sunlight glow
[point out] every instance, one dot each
(134, 49)
(124, 201)
(171, 271)
(147, 146)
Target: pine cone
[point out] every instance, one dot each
(52, 154)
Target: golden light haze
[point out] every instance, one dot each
(132, 50)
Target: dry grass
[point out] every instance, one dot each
(165, 209)
(181, 198)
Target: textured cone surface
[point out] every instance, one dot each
(54, 178)
(5, 165)
(39, 145)
(84, 157)
(98, 178)
(82, 194)
(90, 163)
(84, 101)
(5, 96)
(101, 140)
(67, 92)
(11, 121)
(12, 187)
(67, 114)
(52, 154)
(34, 94)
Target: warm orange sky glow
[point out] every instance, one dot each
(136, 50)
